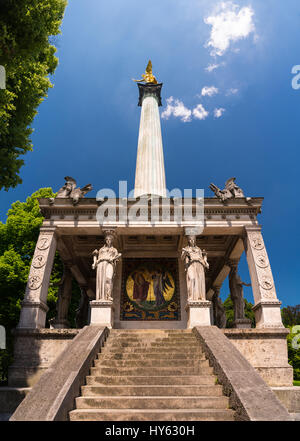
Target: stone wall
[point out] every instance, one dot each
(266, 350)
(34, 351)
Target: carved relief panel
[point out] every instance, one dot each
(41, 264)
(262, 266)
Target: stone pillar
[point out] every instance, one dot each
(219, 314)
(150, 170)
(63, 300)
(34, 305)
(266, 303)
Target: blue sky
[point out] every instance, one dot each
(88, 125)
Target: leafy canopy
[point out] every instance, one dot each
(18, 238)
(28, 58)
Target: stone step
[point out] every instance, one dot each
(179, 340)
(155, 371)
(169, 346)
(159, 350)
(163, 334)
(151, 331)
(149, 363)
(152, 415)
(153, 402)
(150, 356)
(150, 391)
(123, 380)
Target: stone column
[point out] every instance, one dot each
(64, 299)
(219, 314)
(266, 303)
(150, 170)
(34, 305)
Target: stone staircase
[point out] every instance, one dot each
(151, 375)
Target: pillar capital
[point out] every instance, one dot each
(149, 89)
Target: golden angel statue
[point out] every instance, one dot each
(148, 76)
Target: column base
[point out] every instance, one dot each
(242, 323)
(102, 313)
(267, 314)
(33, 315)
(59, 324)
(199, 313)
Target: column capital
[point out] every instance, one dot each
(48, 229)
(149, 89)
(253, 228)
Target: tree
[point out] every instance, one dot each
(18, 238)
(291, 318)
(28, 58)
(293, 340)
(228, 305)
(291, 315)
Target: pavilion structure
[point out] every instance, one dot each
(149, 288)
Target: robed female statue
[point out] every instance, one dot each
(195, 262)
(105, 261)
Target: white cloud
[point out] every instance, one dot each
(199, 112)
(209, 91)
(177, 109)
(232, 91)
(219, 112)
(229, 23)
(214, 66)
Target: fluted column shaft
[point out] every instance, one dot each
(150, 169)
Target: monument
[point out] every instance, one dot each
(140, 269)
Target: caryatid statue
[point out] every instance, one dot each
(196, 263)
(236, 291)
(105, 261)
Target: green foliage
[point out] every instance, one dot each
(291, 315)
(28, 58)
(228, 305)
(293, 340)
(18, 238)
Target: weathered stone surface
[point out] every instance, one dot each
(290, 397)
(152, 415)
(177, 385)
(249, 394)
(266, 350)
(34, 351)
(53, 395)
